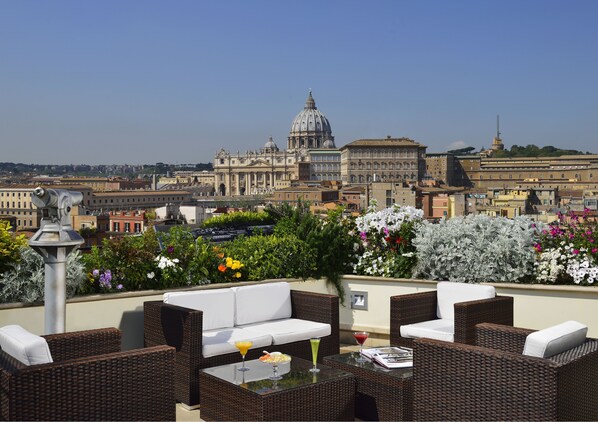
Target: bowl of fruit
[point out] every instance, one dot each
(275, 359)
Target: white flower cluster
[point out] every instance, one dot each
(550, 265)
(553, 264)
(164, 262)
(373, 264)
(389, 218)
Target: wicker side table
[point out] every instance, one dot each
(382, 394)
(229, 394)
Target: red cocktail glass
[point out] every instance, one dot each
(361, 337)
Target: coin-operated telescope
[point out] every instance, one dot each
(54, 241)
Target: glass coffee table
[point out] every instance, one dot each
(229, 394)
(382, 394)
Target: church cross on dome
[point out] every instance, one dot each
(310, 104)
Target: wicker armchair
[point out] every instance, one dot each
(419, 307)
(90, 379)
(182, 328)
(493, 380)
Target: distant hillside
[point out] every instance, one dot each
(122, 170)
(534, 151)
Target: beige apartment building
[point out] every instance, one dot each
(15, 200)
(566, 172)
(388, 160)
(137, 200)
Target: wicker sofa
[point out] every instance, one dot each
(452, 311)
(203, 337)
(493, 380)
(89, 379)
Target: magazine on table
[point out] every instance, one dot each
(390, 357)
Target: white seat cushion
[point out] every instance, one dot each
(24, 346)
(438, 329)
(218, 305)
(289, 330)
(450, 293)
(556, 339)
(262, 302)
(221, 342)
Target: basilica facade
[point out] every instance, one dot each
(264, 170)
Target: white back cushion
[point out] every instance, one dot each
(556, 339)
(218, 306)
(262, 302)
(24, 346)
(450, 293)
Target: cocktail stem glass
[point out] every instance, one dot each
(315, 344)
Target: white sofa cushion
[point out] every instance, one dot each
(450, 293)
(262, 302)
(556, 339)
(24, 346)
(289, 330)
(218, 305)
(221, 342)
(438, 329)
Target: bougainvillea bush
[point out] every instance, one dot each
(567, 252)
(385, 245)
(476, 248)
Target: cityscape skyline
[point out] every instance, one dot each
(144, 82)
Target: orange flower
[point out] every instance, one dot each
(222, 268)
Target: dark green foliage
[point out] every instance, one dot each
(330, 238)
(239, 219)
(275, 256)
(130, 259)
(534, 151)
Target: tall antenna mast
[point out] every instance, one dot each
(497, 126)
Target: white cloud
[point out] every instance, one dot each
(457, 145)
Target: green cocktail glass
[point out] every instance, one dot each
(315, 345)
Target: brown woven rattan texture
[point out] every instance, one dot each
(83, 385)
(321, 401)
(379, 396)
(182, 328)
(419, 307)
(467, 382)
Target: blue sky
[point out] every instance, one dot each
(102, 82)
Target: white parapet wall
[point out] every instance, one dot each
(536, 306)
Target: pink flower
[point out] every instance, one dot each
(538, 247)
(575, 251)
(594, 250)
(363, 235)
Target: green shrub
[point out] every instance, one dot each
(23, 281)
(239, 219)
(331, 239)
(275, 256)
(10, 246)
(130, 260)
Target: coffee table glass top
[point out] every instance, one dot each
(350, 359)
(294, 374)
